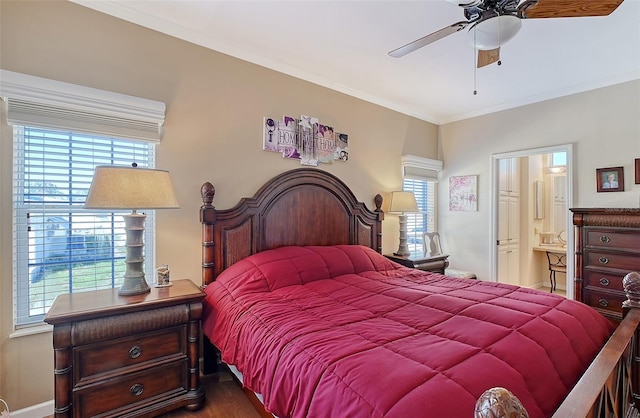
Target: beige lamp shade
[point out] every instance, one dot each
(403, 202)
(120, 187)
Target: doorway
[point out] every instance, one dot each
(519, 248)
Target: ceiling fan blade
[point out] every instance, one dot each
(426, 40)
(566, 8)
(488, 56)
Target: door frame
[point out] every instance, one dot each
(495, 196)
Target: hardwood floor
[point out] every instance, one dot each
(224, 399)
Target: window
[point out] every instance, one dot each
(61, 132)
(425, 221)
(420, 176)
(61, 247)
(559, 159)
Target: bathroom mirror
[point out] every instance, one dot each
(538, 195)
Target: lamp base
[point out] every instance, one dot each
(134, 282)
(134, 286)
(403, 248)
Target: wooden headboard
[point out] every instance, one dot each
(305, 206)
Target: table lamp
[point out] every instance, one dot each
(122, 187)
(403, 203)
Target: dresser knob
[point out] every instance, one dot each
(604, 239)
(136, 390)
(603, 303)
(135, 351)
(604, 260)
(604, 281)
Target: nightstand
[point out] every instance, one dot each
(435, 264)
(127, 355)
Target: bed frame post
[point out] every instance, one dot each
(377, 200)
(210, 353)
(208, 220)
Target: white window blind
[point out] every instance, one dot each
(61, 132)
(420, 176)
(61, 247)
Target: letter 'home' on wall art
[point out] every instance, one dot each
(305, 139)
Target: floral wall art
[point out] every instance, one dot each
(463, 193)
(305, 139)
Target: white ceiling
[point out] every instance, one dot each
(343, 45)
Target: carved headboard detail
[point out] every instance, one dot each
(305, 206)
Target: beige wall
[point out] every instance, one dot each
(603, 125)
(213, 129)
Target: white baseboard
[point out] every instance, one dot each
(40, 410)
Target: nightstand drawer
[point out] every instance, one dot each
(620, 261)
(94, 360)
(109, 398)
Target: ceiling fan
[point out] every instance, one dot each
(494, 22)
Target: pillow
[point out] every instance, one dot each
(288, 266)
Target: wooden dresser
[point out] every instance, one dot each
(127, 355)
(607, 248)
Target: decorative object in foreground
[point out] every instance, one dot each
(403, 203)
(162, 276)
(120, 187)
(305, 139)
(463, 193)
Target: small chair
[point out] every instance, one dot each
(431, 244)
(557, 263)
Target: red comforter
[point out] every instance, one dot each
(344, 332)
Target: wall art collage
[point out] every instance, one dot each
(305, 139)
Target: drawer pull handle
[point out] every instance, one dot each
(136, 390)
(604, 260)
(604, 281)
(605, 239)
(603, 303)
(135, 351)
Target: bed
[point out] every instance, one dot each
(300, 301)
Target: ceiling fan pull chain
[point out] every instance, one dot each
(499, 40)
(475, 69)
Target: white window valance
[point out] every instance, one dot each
(40, 102)
(420, 167)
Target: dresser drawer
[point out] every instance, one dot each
(603, 259)
(607, 238)
(94, 360)
(610, 302)
(111, 397)
(604, 281)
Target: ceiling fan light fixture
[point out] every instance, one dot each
(493, 32)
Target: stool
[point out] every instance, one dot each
(557, 263)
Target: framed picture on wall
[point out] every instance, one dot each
(463, 193)
(637, 170)
(610, 179)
